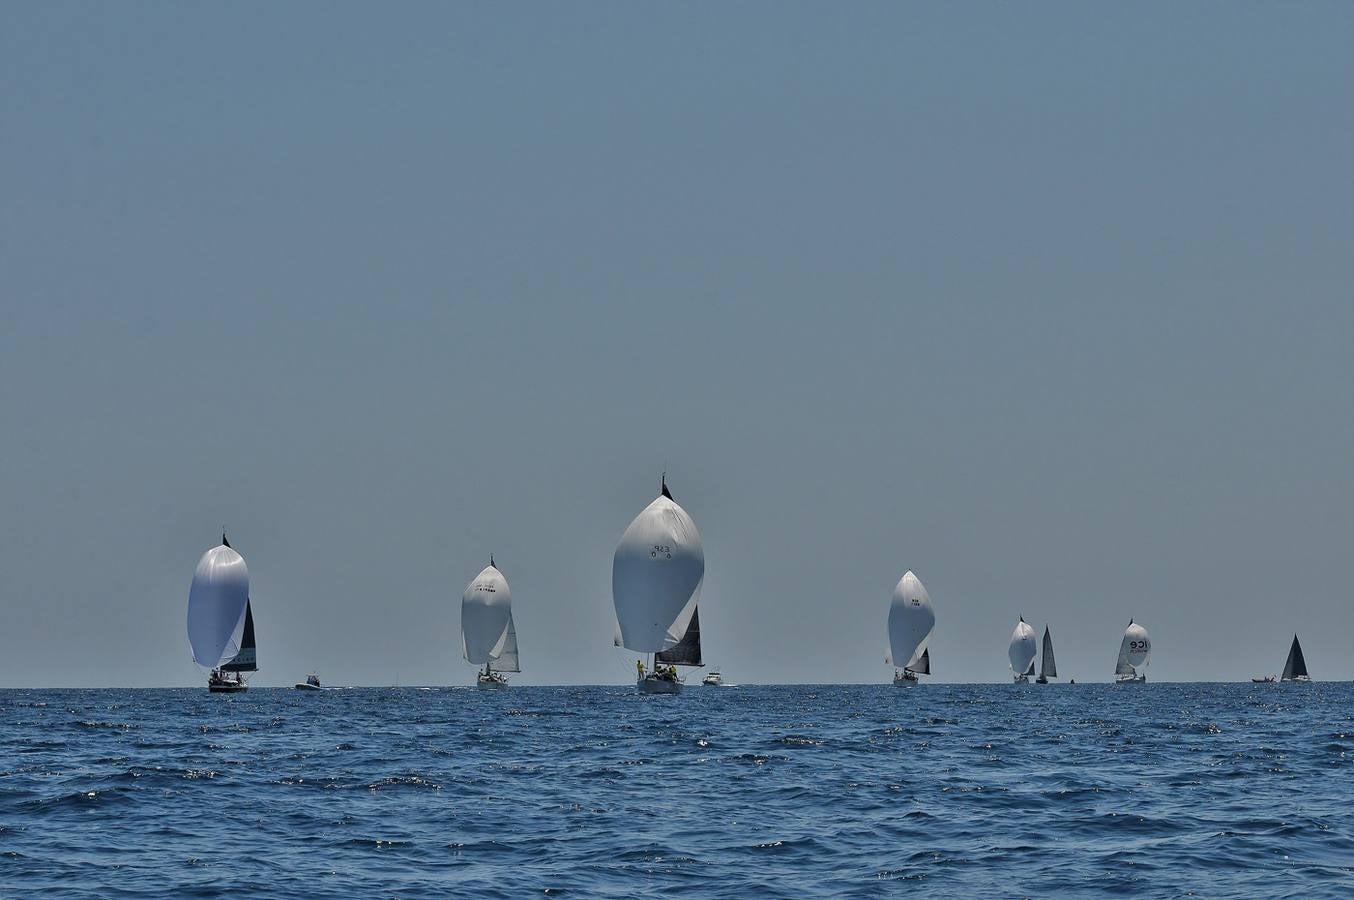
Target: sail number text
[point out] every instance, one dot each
(658, 550)
(1137, 646)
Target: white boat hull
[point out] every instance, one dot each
(490, 682)
(302, 686)
(1131, 679)
(651, 685)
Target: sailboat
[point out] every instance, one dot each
(1134, 652)
(1295, 667)
(486, 619)
(1021, 651)
(1048, 667)
(656, 578)
(911, 620)
(218, 611)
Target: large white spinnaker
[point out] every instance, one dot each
(486, 610)
(911, 619)
(216, 605)
(1138, 643)
(656, 576)
(1022, 648)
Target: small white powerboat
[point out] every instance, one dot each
(312, 683)
(714, 679)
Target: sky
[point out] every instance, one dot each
(1050, 303)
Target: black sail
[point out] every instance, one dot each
(923, 664)
(1048, 667)
(245, 660)
(1296, 666)
(687, 651)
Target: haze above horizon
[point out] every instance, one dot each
(1048, 303)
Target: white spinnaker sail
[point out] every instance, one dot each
(486, 609)
(1138, 643)
(1022, 648)
(656, 576)
(216, 606)
(911, 619)
(504, 659)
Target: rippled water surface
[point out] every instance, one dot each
(1158, 789)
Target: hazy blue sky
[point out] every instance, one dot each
(1048, 302)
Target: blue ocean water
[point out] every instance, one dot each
(1158, 789)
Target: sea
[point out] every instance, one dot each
(1214, 790)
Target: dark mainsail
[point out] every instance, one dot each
(1048, 668)
(924, 664)
(245, 660)
(687, 651)
(1296, 666)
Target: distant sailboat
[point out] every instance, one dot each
(1295, 667)
(1021, 651)
(1134, 652)
(911, 621)
(656, 578)
(218, 612)
(1048, 667)
(486, 618)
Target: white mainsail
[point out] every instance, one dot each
(486, 610)
(1022, 648)
(656, 576)
(216, 605)
(505, 660)
(911, 619)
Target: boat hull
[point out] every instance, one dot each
(905, 680)
(651, 685)
(490, 682)
(302, 686)
(227, 688)
(1131, 679)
